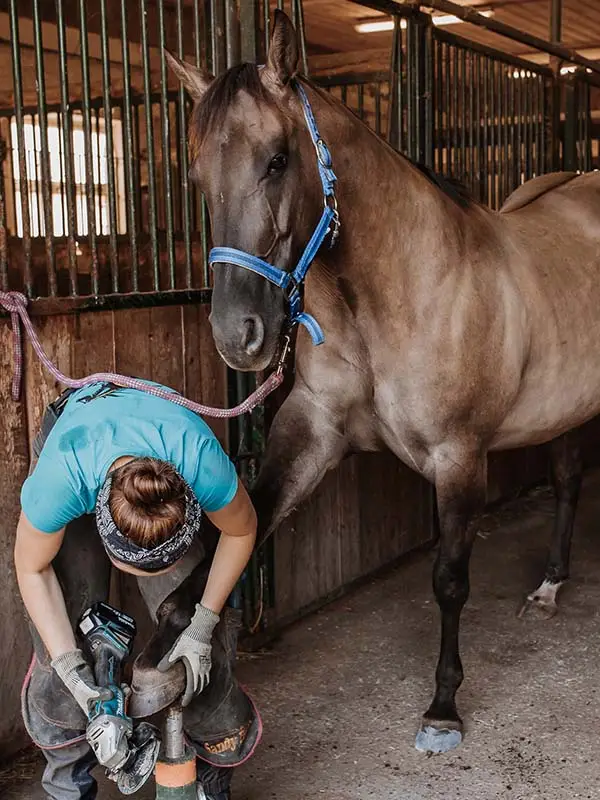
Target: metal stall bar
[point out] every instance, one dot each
(66, 118)
(186, 212)
(87, 136)
(166, 146)
(110, 164)
(130, 152)
(44, 152)
(152, 204)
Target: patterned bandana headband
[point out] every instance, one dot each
(121, 548)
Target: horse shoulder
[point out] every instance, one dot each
(535, 188)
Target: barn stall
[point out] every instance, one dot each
(108, 240)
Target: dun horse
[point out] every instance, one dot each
(450, 330)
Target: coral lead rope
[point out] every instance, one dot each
(291, 283)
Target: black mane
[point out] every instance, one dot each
(452, 187)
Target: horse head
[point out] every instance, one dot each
(252, 156)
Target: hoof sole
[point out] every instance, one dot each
(436, 740)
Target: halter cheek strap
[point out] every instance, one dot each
(291, 283)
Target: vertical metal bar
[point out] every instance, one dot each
(471, 90)
(132, 192)
(587, 132)
(516, 98)
(67, 139)
(412, 130)
(539, 122)
(98, 205)
(478, 150)
(232, 34)
(428, 118)
(197, 29)
(183, 157)
(486, 107)
(301, 27)
(110, 164)
(439, 106)
(455, 113)
(44, 152)
(249, 45)
(152, 211)
(509, 130)
(463, 113)
(494, 132)
(393, 130)
(528, 127)
(361, 100)
(166, 145)
(378, 108)
(448, 109)
(205, 269)
(87, 137)
(20, 126)
(266, 25)
(218, 50)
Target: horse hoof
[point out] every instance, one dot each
(432, 739)
(541, 602)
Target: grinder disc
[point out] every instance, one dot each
(145, 745)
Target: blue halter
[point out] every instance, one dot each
(329, 225)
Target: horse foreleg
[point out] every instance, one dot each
(305, 441)
(460, 487)
(567, 471)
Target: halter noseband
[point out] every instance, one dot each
(291, 283)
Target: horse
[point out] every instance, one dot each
(450, 330)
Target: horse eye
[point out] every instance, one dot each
(277, 164)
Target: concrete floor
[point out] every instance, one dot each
(341, 692)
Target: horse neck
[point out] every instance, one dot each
(388, 207)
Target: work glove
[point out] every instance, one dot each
(76, 674)
(193, 647)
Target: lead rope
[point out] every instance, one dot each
(15, 304)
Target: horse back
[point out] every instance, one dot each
(535, 188)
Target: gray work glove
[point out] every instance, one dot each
(76, 674)
(193, 647)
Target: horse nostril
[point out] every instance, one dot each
(253, 335)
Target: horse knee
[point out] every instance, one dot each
(451, 584)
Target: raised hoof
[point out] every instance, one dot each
(438, 738)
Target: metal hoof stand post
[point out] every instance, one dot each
(176, 767)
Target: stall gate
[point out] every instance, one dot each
(101, 229)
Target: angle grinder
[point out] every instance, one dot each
(129, 754)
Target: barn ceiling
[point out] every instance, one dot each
(331, 28)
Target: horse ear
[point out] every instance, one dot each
(282, 64)
(195, 80)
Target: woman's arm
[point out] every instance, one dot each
(237, 523)
(40, 590)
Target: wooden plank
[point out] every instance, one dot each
(15, 646)
(55, 335)
(132, 332)
(166, 347)
(205, 375)
(93, 345)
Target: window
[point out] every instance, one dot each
(60, 219)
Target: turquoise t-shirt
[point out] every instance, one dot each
(101, 423)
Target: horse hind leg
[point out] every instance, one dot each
(567, 469)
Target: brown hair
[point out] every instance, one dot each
(147, 501)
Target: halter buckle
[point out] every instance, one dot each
(287, 342)
(291, 288)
